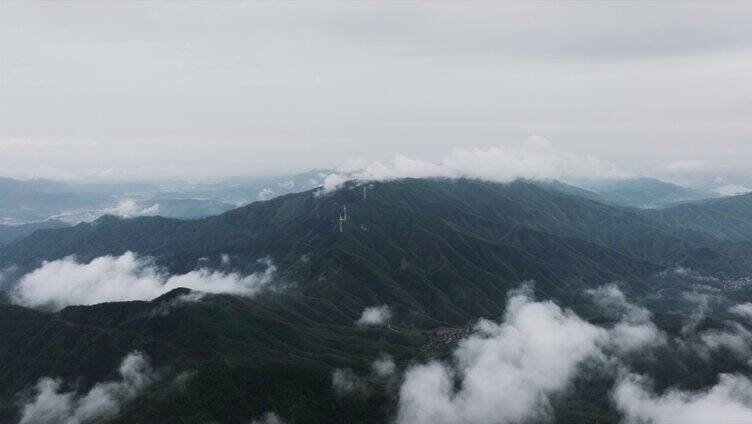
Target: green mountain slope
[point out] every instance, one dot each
(728, 218)
(445, 251)
(451, 246)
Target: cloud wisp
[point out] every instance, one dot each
(374, 315)
(50, 405)
(269, 418)
(128, 208)
(345, 381)
(383, 366)
(534, 158)
(64, 282)
(635, 329)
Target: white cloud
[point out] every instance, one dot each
(507, 371)
(611, 298)
(265, 194)
(732, 190)
(128, 208)
(383, 366)
(103, 401)
(742, 309)
(535, 158)
(375, 315)
(680, 270)
(629, 337)
(727, 402)
(66, 282)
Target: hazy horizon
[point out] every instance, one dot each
(191, 91)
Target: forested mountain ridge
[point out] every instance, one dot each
(483, 210)
(440, 253)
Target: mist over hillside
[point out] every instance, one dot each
(36, 201)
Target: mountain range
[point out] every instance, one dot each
(439, 253)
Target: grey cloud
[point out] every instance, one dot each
(345, 381)
(383, 366)
(701, 304)
(210, 89)
(735, 338)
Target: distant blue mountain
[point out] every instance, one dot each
(647, 193)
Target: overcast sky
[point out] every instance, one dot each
(207, 89)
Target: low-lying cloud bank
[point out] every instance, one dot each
(729, 401)
(534, 158)
(508, 372)
(64, 282)
(732, 190)
(50, 405)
